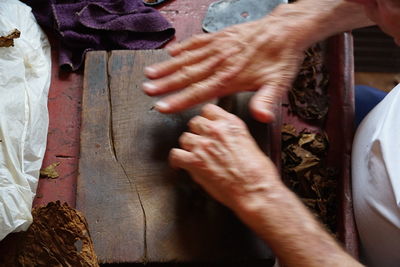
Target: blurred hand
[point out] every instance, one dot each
(223, 158)
(263, 55)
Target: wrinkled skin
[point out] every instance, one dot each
(223, 158)
(244, 57)
(219, 152)
(263, 55)
(386, 13)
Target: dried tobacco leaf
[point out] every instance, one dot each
(308, 96)
(314, 142)
(50, 171)
(58, 236)
(307, 138)
(305, 172)
(8, 40)
(308, 160)
(288, 132)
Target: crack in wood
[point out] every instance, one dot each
(132, 184)
(124, 148)
(65, 156)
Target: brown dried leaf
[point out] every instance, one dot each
(306, 138)
(308, 96)
(304, 171)
(58, 236)
(8, 40)
(50, 171)
(288, 132)
(289, 129)
(308, 160)
(317, 143)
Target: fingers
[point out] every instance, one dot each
(265, 102)
(195, 94)
(180, 158)
(188, 141)
(221, 127)
(170, 66)
(190, 44)
(184, 76)
(213, 112)
(199, 125)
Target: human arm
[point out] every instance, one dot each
(222, 157)
(290, 230)
(262, 55)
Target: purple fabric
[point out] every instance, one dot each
(101, 25)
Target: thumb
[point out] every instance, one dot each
(265, 103)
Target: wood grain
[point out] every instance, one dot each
(105, 193)
(132, 199)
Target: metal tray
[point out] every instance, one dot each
(225, 13)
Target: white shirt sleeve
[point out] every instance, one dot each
(376, 182)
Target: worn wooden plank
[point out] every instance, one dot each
(340, 129)
(105, 194)
(182, 223)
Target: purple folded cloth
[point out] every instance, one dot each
(101, 25)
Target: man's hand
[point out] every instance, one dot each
(223, 158)
(262, 55)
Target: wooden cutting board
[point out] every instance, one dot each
(137, 207)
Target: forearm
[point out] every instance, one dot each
(311, 21)
(275, 213)
(291, 231)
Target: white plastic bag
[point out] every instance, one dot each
(25, 71)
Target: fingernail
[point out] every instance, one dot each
(162, 106)
(150, 71)
(149, 87)
(270, 116)
(263, 115)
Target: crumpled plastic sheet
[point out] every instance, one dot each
(25, 71)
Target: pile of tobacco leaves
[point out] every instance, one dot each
(304, 153)
(58, 236)
(306, 173)
(308, 97)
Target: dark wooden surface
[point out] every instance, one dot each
(340, 129)
(138, 208)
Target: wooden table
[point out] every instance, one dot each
(65, 97)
